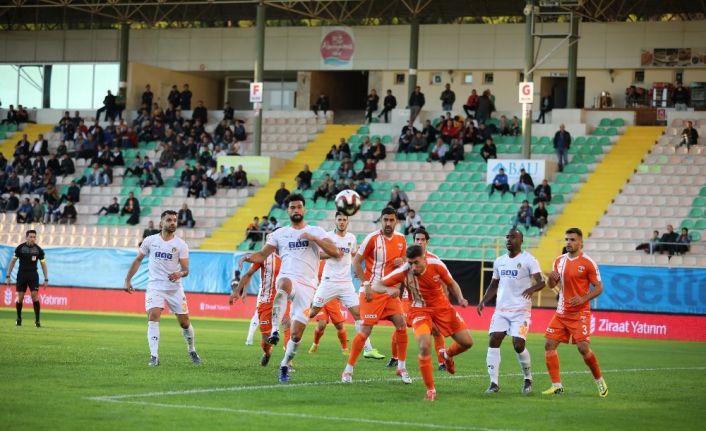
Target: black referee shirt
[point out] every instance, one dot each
(28, 255)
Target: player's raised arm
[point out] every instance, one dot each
(131, 272)
(259, 256)
(324, 244)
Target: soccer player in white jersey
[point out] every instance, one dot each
(298, 245)
(168, 264)
(337, 281)
(516, 277)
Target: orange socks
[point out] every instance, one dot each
(592, 362)
(455, 349)
(393, 346)
(356, 348)
(402, 341)
(342, 337)
(552, 360)
(427, 371)
(438, 345)
(266, 347)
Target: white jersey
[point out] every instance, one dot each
(164, 259)
(515, 275)
(300, 258)
(340, 269)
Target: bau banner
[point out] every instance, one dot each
(535, 168)
(257, 167)
(653, 289)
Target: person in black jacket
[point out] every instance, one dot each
(185, 218)
(416, 103)
(321, 104)
(371, 105)
(108, 107)
(388, 104)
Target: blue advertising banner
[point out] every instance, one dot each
(653, 289)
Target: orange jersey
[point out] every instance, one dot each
(427, 289)
(577, 276)
(405, 291)
(380, 252)
(268, 274)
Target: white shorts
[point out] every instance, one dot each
(342, 290)
(513, 323)
(301, 297)
(175, 299)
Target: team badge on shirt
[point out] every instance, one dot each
(519, 265)
(581, 268)
(173, 249)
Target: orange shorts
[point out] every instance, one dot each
(331, 312)
(381, 307)
(406, 304)
(264, 313)
(446, 319)
(570, 328)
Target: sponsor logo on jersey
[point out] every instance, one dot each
(509, 272)
(163, 255)
(299, 244)
(370, 316)
(345, 250)
(418, 319)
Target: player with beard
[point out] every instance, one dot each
(298, 245)
(168, 264)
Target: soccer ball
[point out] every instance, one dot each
(348, 202)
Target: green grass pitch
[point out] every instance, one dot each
(89, 371)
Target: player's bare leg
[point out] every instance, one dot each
(492, 360)
(590, 359)
(523, 357)
(318, 331)
(297, 329)
(552, 359)
(188, 332)
(154, 316)
(342, 337)
(462, 342)
(402, 341)
(356, 348)
(279, 307)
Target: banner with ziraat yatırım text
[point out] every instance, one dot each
(257, 167)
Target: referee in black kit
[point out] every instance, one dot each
(28, 254)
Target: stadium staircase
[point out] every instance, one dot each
(599, 191)
(232, 231)
(9, 132)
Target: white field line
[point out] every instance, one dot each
(362, 381)
(124, 399)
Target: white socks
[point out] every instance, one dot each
(401, 365)
(289, 353)
(189, 337)
(525, 363)
(153, 337)
(254, 323)
(368, 345)
(493, 362)
(279, 306)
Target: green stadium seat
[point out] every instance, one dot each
(687, 223)
(605, 122)
(457, 187)
(145, 211)
(695, 236)
(489, 254)
(696, 213)
(700, 224)
(454, 176)
(387, 139)
(699, 202)
(459, 241)
(702, 193)
(363, 130)
(447, 241)
(603, 141)
(599, 131)
(558, 199)
(451, 253)
(618, 122)
(464, 254)
(611, 131)
(580, 140)
(470, 229)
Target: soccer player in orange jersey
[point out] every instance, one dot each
(382, 251)
(574, 272)
(269, 270)
(425, 278)
(331, 312)
(421, 238)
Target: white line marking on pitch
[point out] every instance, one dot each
(362, 381)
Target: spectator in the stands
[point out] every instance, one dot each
(131, 205)
(485, 107)
(113, 208)
(12, 116)
(228, 113)
(274, 224)
(345, 171)
(364, 152)
(418, 144)
(53, 212)
(429, 132)
(500, 183)
(471, 104)
(24, 212)
(147, 96)
(185, 98)
(415, 104)
(448, 97)
(333, 153)
(150, 230)
(174, 97)
(379, 152)
(220, 131)
(503, 126)
(371, 105)
(363, 188)
(651, 246)
(9, 204)
(40, 147)
(489, 150)
(22, 165)
(684, 241)
(543, 192)
(252, 232)
(544, 107)
(680, 97)
(3, 162)
(12, 184)
(388, 104)
(73, 193)
(136, 168)
(323, 189)
(562, 143)
(439, 151)
(265, 226)
(668, 241)
(484, 132)
(412, 222)
(303, 178)
(541, 216)
(37, 211)
(23, 146)
(524, 215)
(151, 177)
(405, 141)
(239, 131)
(402, 211)
(184, 217)
(280, 195)
(689, 136)
(369, 170)
(194, 186)
(397, 196)
(109, 107)
(39, 165)
(344, 149)
(524, 184)
(69, 215)
(240, 178)
(321, 104)
(455, 153)
(515, 129)
(207, 188)
(217, 174)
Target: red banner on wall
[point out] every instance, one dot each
(603, 323)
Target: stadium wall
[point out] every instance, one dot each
(161, 81)
(449, 50)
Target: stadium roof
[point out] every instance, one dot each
(42, 14)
